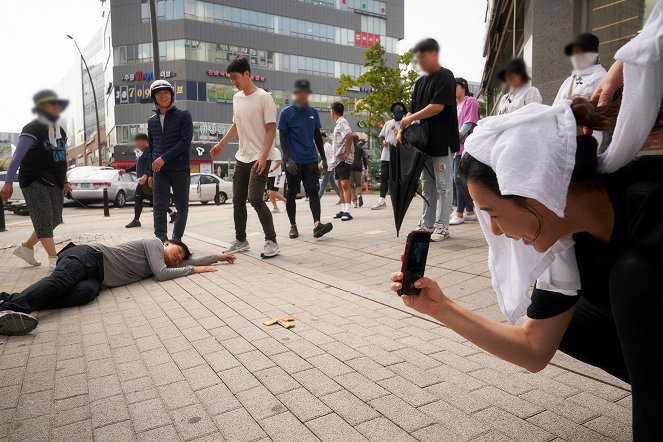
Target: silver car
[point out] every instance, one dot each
(88, 183)
(203, 188)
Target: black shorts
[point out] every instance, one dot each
(342, 171)
(270, 184)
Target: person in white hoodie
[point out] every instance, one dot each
(583, 53)
(520, 91)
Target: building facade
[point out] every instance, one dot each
(538, 30)
(285, 40)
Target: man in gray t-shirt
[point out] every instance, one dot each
(81, 271)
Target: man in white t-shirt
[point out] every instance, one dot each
(254, 121)
(343, 158)
(388, 138)
(328, 174)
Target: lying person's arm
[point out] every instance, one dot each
(531, 346)
(161, 272)
(208, 260)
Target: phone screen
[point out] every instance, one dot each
(415, 261)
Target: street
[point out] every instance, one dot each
(190, 359)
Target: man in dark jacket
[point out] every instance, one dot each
(359, 167)
(169, 133)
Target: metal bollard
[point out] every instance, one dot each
(2, 216)
(217, 200)
(106, 209)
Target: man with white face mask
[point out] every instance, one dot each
(587, 71)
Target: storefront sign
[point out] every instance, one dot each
(140, 93)
(146, 76)
(365, 39)
(218, 73)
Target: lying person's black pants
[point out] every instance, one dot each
(309, 174)
(76, 280)
(625, 338)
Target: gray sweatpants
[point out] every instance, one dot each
(45, 207)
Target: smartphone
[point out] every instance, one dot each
(414, 260)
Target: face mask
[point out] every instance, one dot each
(398, 114)
(583, 60)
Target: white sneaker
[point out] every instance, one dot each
(16, 323)
(379, 206)
(52, 262)
(275, 210)
(454, 220)
(472, 217)
(237, 246)
(420, 226)
(271, 249)
(27, 255)
(440, 233)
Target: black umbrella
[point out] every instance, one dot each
(406, 163)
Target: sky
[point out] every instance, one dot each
(36, 52)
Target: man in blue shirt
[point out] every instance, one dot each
(301, 143)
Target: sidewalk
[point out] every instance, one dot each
(190, 359)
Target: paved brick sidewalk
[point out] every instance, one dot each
(189, 359)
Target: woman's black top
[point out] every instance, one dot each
(636, 194)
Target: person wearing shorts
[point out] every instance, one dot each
(42, 158)
(343, 157)
(273, 193)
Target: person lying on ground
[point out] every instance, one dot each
(81, 272)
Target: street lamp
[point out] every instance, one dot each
(94, 97)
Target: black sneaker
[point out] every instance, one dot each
(173, 217)
(293, 232)
(322, 229)
(15, 323)
(338, 215)
(346, 217)
(360, 200)
(134, 223)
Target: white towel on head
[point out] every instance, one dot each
(643, 91)
(532, 152)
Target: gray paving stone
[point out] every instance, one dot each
(437, 432)
(177, 395)
(148, 415)
(260, 403)
(401, 413)
(192, 422)
(290, 362)
(564, 408)
(516, 429)
(201, 377)
(508, 402)
(33, 405)
(371, 369)
(277, 380)
(108, 411)
(222, 360)
(285, 426)
(217, 399)
(33, 430)
(255, 361)
(468, 427)
(162, 434)
(361, 386)
(165, 373)
(122, 431)
(238, 425)
(79, 431)
(329, 365)
(303, 404)
(383, 430)
(607, 408)
(238, 379)
(334, 429)
(564, 428)
(103, 387)
(70, 386)
(316, 382)
(408, 391)
(611, 428)
(349, 407)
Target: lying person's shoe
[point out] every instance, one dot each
(338, 215)
(294, 233)
(237, 246)
(322, 229)
(26, 254)
(271, 249)
(346, 217)
(455, 220)
(134, 223)
(472, 217)
(15, 323)
(379, 206)
(173, 217)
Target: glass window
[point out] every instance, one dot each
(178, 9)
(189, 8)
(210, 12)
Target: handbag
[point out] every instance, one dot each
(416, 134)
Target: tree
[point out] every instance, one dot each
(386, 84)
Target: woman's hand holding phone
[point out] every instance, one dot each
(430, 300)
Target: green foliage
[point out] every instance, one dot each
(387, 84)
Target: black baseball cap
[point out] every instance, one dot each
(398, 103)
(587, 42)
(338, 107)
(302, 85)
(516, 66)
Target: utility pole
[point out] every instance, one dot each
(94, 96)
(84, 122)
(155, 40)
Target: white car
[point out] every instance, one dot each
(203, 188)
(17, 195)
(88, 183)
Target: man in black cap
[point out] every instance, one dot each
(520, 91)
(42, 157)
(388, 138)
(301, 143)
(583, 53)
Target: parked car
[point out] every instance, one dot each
(17, 195)
(203, 188)
(88, 183)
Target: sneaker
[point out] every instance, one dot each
(354, 204)
(322, 229)
(338, 215)
(27, 255)
(15, 323)
(420, 226)
(360, 200)
(454, 220)
(346, 217)
(440, 233)
(52, 262)
(173, 217)
(271, 249)
(237, 246)
(134, 223)
(472, 217)
(294, 233)
(275, 210)
(379, 206)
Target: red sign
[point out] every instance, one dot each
(218, 73)
(358, 38)
(365, 39)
